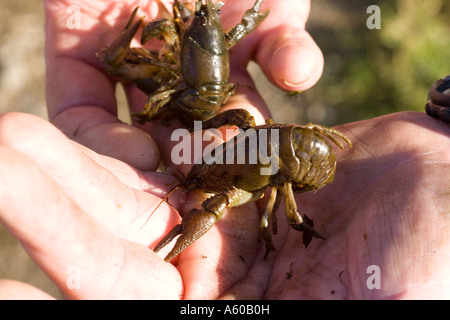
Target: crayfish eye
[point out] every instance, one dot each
(200, 13)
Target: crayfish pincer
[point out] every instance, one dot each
(188, 77)
(301, 160)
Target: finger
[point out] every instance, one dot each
(114, 200)
(287, 54)
(80, 97)
(246, 96)
(16, 290)
(438, 104)
(280, 45)
(73, 51)
(290, 58)
(74, 74)
(80, 256)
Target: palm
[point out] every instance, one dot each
(83, 106)
(385, 208)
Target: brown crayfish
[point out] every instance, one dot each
(305, 162)
(189, 74)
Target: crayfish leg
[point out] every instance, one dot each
(270, 214)
(169, 237)
(295, 220)
(194, 224)
(156, 101)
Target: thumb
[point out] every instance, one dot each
(290, 58)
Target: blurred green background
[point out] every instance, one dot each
(367, 73)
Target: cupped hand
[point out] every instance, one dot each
(81, 96)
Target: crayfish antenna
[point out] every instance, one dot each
(329, 133)
(162, 200)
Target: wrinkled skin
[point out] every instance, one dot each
(388, 204)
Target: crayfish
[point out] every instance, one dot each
(306, 162)
(188, 77)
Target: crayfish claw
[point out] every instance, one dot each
(268, 240)
(250, 21)
(168, 237)
(194, 224)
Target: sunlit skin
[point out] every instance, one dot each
(82, 200)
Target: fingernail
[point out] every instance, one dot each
(292, 66)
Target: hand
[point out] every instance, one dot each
(80, 211)
(81, 103)
(95, 206)
(76, 211)
(80, 94)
